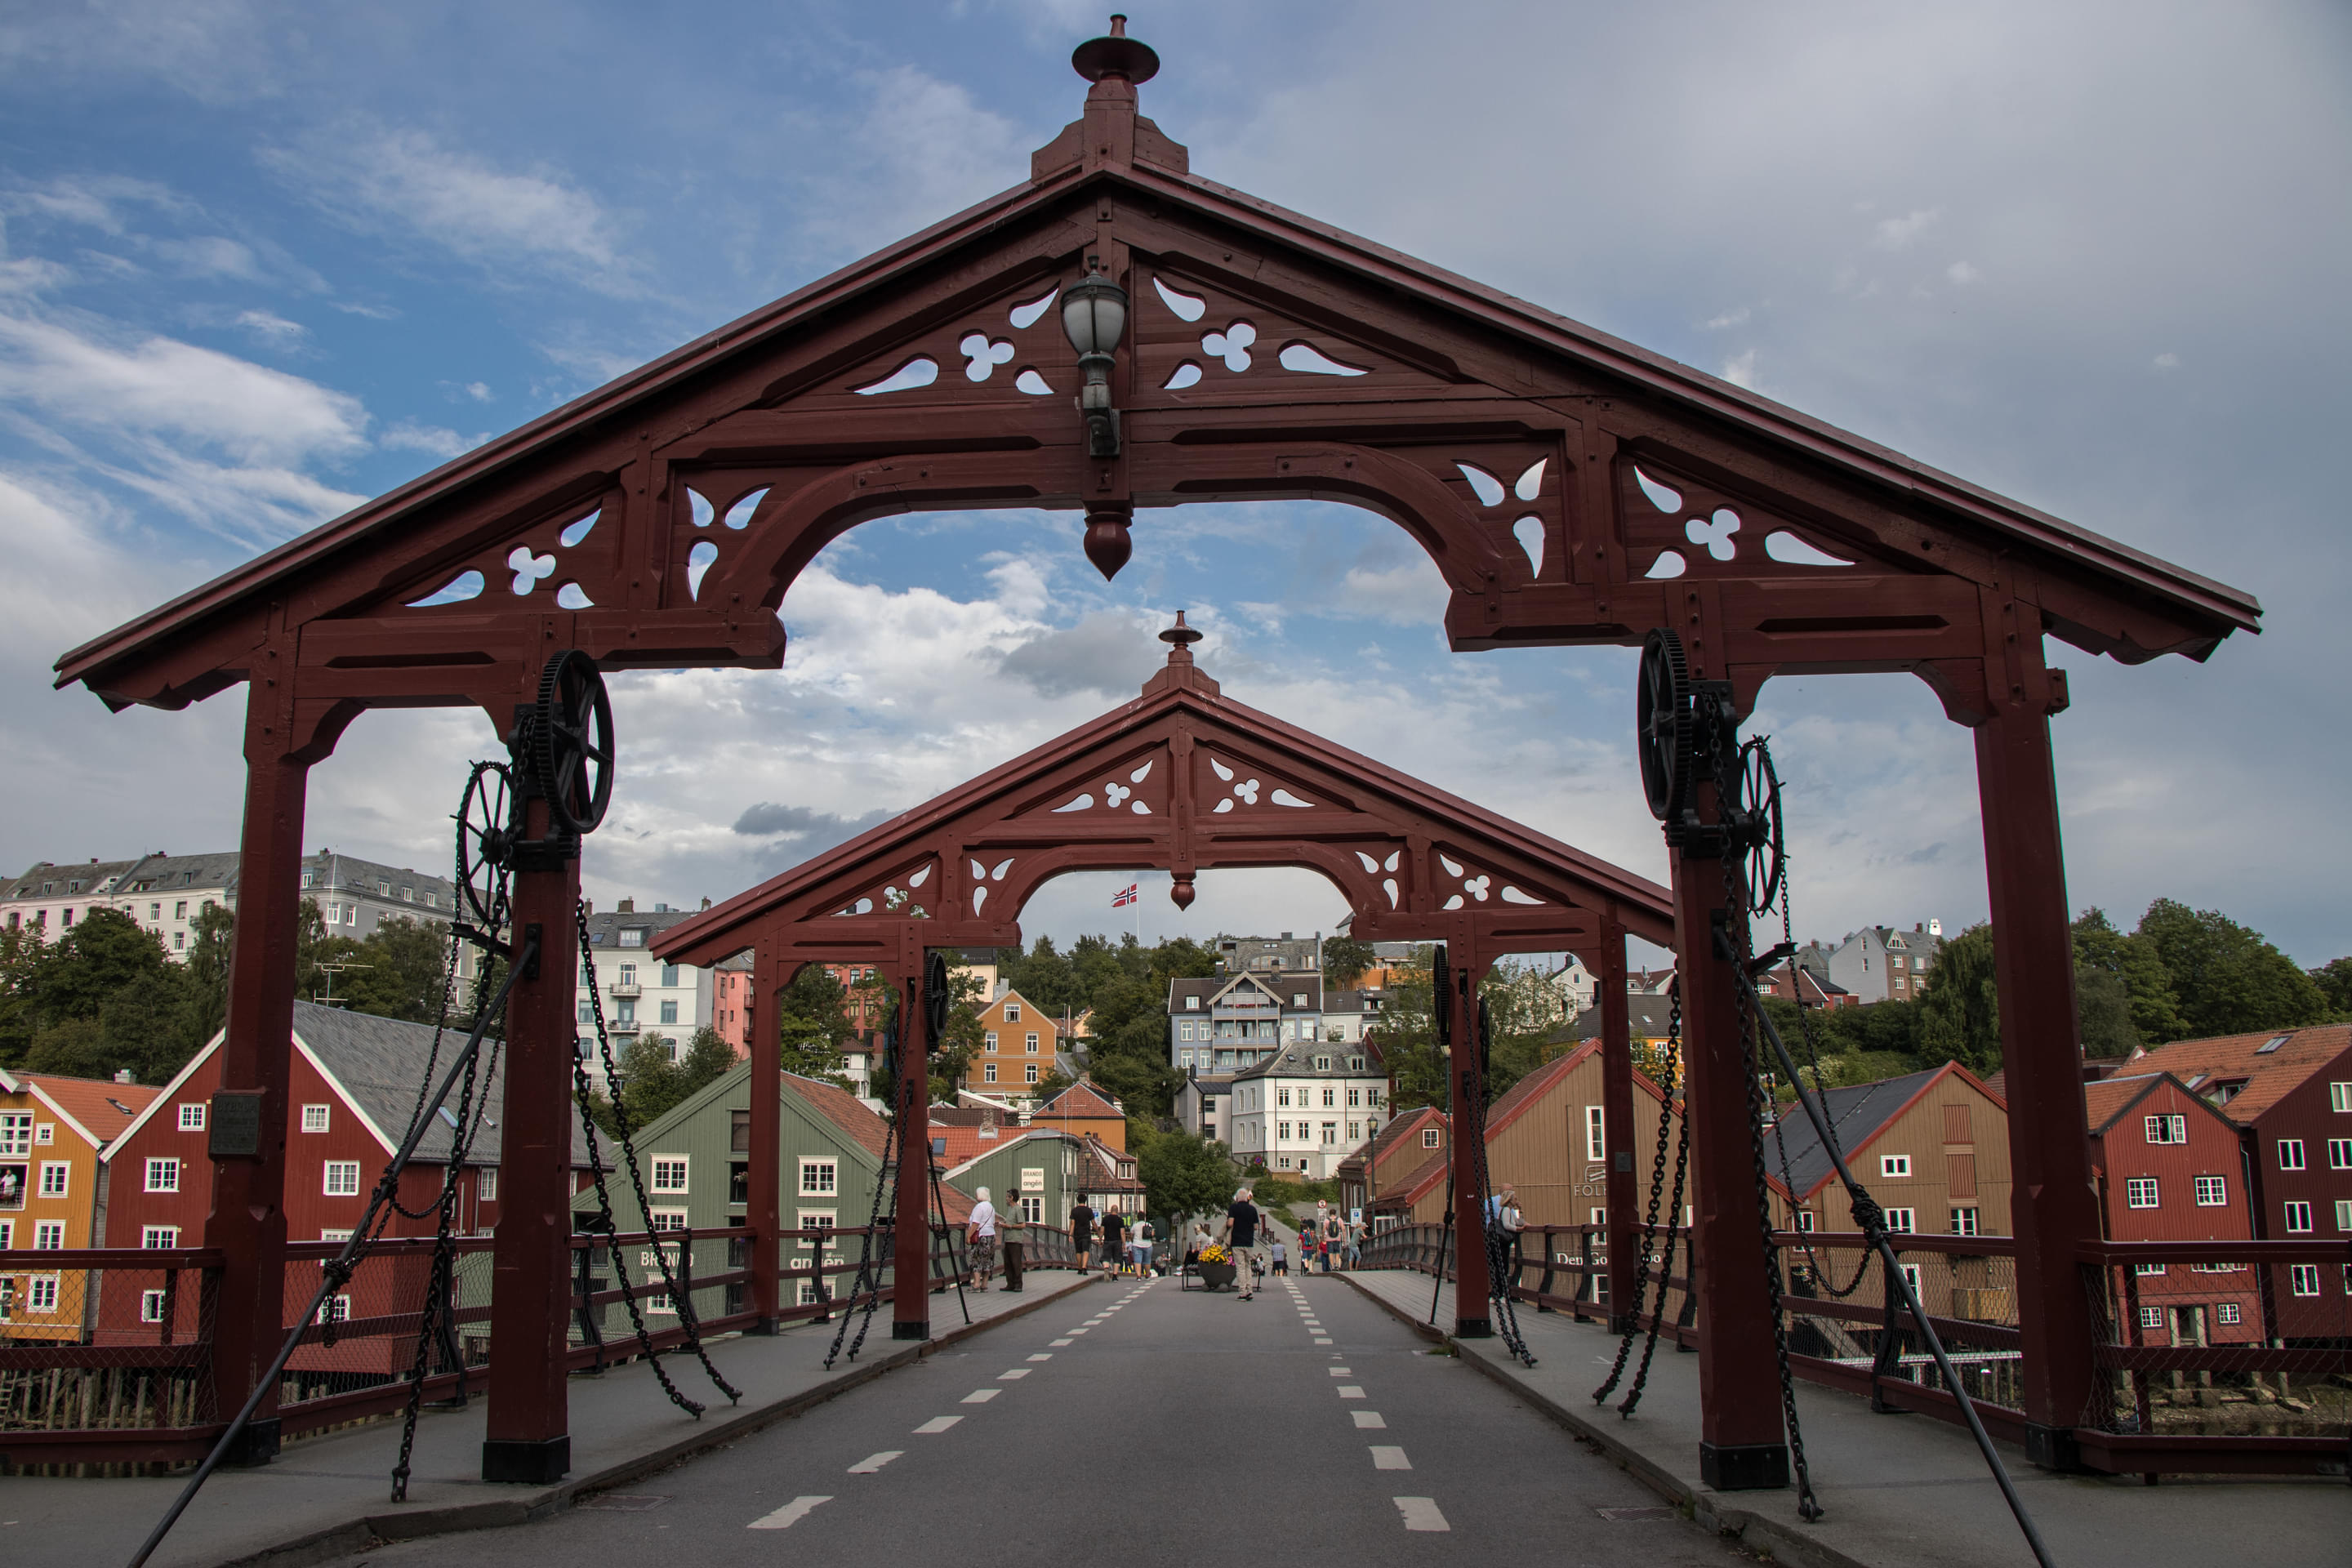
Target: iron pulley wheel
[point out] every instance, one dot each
(485, 843)
(1663, 724)
(571, 743)
(935, 999)
(1760, 846)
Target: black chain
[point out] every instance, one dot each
(867, 1284)
(1498, 1245)
(1649, 1249)
(581, 1092)
(1759, 1109)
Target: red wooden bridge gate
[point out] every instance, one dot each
(1572, 489)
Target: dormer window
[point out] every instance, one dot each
(1299, 998)
(1192, 1004)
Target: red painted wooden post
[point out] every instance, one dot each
(763, 1210)
(247, 1222)
(910, 1300)
(1741, 1444)
(1618, 1126)
(2054, 1206)
(527, 1438)
(1471, 1279)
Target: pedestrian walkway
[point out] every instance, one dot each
(327, 1496)
(1901, 1491)
(1143, 1424)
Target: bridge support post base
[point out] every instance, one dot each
(535, 1462)
(1474, 1329)
(1744, 1466)
(257, 1445)
(2054, 1448)
(919, 1330)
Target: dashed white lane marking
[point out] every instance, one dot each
(1389, 1458)
(1421, 1513)
(1016, 1372)
(1076, 1331)
(1042, 1355)
(1350, 1391)
(1371, 1420)
(1339, 1372)
(1322, 1342)
(981, 1396)
(1064, 1342)
(936, 1424)
(791, 1514)
(873, 1462)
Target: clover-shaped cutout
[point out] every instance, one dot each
(1246, 790)
(1118, 793)
(1232, 345)
(528, 568)
(1715, 533)
(1476, 887)
(984, 355)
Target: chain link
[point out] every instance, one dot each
(1633, 1317)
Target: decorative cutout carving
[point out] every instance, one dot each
(573, 596)
(739, 516)
(1511, 895)
(464, 585)
(1024, 317)
(1186, 307)
(1715, 532)
(1283, 797)
(920, 370)
(1529, 531)
(1310, 361)
(579, 530)
(698, 505)
(698, 560)
(984, 355)
(1187, 374)
(1232, 345)
(1531, 483)
(1030, 381)
(1084, 802)
(1789, 550)
(1664, 499)
(528, 568)
(1669, 564)
(1486, 486)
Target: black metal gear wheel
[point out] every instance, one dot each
(1663, 724)
(571, 743)
(486, 839)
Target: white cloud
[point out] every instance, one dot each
(1962, 272)
(1896, 233)
(1740, 370)
(160, 385)
(1728, 319)
(272, 328)
(407, 435)
(407, 182)
(1409, 595)
(209, 255)
(478, 391)
(2167, 362)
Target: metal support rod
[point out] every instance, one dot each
(1896, 1277)
(338, 1270)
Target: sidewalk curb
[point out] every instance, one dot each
(1706, 1506)
(371, 1530)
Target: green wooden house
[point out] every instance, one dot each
(696, 1159)
(1038, 1177)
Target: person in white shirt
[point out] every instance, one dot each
(981, 1232)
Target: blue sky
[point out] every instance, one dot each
(260, 261)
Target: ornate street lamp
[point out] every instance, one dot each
(1094, 316)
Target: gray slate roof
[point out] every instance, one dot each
(1855, 1113)
(379, 1064)
(1297, 1060)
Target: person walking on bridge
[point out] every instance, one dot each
(1114, 1241)
(1082, 1234)
(1243, 1223)
(981, 1239)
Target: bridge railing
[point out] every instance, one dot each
(106, 1354)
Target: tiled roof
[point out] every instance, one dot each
(843, 1109)
(1857, 1114)
(104, 1108)
(1081, 1101)
(2269, 1076)
(1385, 1144)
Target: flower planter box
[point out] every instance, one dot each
(1215, 1276)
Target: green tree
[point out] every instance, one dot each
(1183, 1176)
(1960, 1005)
(212, 944)
(2103, 1013)
(813, 1025)
(1345, 959)
(405, 961)
(79, 972)
(2334, 981)
(2138, 968)
(2230, 979)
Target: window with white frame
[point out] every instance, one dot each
(1355, 1131)
(7, 1234)
(2147, 1270)
(2290, 1153)
(162, 1238)
(2339, 1153)
(49, 1236)
(343, 1178)
(1330, 1099)
(56, 1176)
(1031, 1044)
(485, 1184)
(1804, 1218)
(2225, 1312)
(1911, 1277)
(15, 1133)
(2304, 1278)
(44, 1132)
(2168, 1129)
(1330, 1134)
(1902, 1221)
(670, 1173)
(2151, 1317)
(192, 1116)
(1013, 1012)
(1031, 1211)
(670, 1011)
(633, 936)
(1964, 1222)
(1429, 1137)
(988, 1072)
(2298, 1218)
(2343, 1216)
(334, 1309)
(151, 1306)
(2212, 1192)
(820, 1178)
(815, 1219)
(1595, 1142)
(163, 1175)
(1029, 1072)
(1192, 1004)
(41, 1293)
(990, 1043)
(2140, 1193)
(1282, 1130)
(2339, 1097)
(1891, 1165)
(332, 1234)
(314, 1119)
(1281, 1095)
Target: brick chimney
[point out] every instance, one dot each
(625, 906)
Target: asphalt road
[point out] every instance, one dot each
(1148, 1425)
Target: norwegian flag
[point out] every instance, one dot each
(1126, 896)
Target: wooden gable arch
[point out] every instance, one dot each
(1182, 779)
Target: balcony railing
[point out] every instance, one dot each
(626, 988)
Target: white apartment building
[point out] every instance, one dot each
(1307, 1108)
(1886, 963)
(165, 894)
(642, 995)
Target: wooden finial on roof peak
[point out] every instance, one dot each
(1179, 639)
